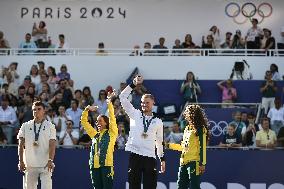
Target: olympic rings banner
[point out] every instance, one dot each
(241, 13)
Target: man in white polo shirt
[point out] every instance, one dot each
(36, 149)
(145, 136)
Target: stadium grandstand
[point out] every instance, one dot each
(226, 56)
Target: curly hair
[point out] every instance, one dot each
(196, 117)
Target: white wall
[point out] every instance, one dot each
(98, 72)
(146, 20)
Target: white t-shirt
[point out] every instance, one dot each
(63, 123)
(276, 115)
(67, 140)
(37, 156)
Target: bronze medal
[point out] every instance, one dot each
(144, 135)
(35, 143)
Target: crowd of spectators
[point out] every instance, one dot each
(254, 38)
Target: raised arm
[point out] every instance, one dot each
(112, 120)
(126, 104)
(85, 123)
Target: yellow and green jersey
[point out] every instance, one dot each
(102, 142)
(193, 145)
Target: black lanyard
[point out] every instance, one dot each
(146, 123)
(37, 132)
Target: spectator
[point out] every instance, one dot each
(69, 137)
(31, 91)
(281, 45)
(52, 79)
(88, 99)
(122, 86)
(41, 67)
(250, 134)
(176, 135)
(215, 33)
(120, 114)
(21, 95)
(188, 43)
(274, 72)
(13, 70)
(101, 50)
(276, 116)
(63, 74)
(241, 71)
(253, 35)
(3, 138)
(147, 49)
(78, 96)
(122, 137)
(75, 113)
(190, 89)
(62, 44)
(35, 77)
(40, 34)
(43, 97)
(46, 89)
(265, 138)
(231, 138)
(136, 51)
(137, 94)
(229, 93)
(101, 102)
(25, 112)
(27, 44)
(240, 126)
(177, 47)
(280, 137)
(267, 42)
(8, 118)
(4, 41)
(244, 118)
(209, 44)
(12, 85)
(56, 101)
(268, 90)
(162, 49)
(238, 41)
(67, 93)
(60, 120)
(228, 42)
(43, 80)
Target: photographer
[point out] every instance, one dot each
(241, 71)
(238, 41)
(190, 89)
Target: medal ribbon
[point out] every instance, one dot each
(37, 132)
(146, 123)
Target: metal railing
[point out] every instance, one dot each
(140, 52)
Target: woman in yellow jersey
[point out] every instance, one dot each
(103, 141)
(193, 148)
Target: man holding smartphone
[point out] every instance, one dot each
(145, 135)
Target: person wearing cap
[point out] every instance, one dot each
(253, 35)
(267, 42)
(37, 143)
(228, 42)
(192, 147)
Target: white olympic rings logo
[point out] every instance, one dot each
(218, 129)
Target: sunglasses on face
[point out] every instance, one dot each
(69, 123)
(37, 109)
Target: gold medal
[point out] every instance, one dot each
(35, 143)
(144, 135)
(98, 153)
